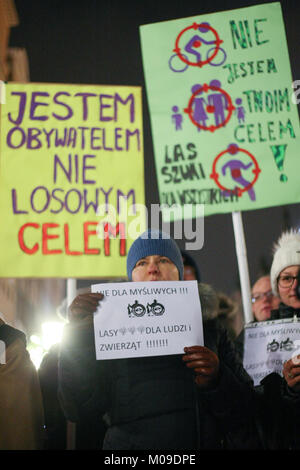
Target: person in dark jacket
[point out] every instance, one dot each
(55, 422)
(278, 398)
(283, 393)
(169, 402)
(21, 407)
(89, 432)
(285, 271)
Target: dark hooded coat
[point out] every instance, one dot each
(153, 402)
(277, 407)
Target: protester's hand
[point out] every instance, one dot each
(291, 373)
(83, 307)
(205, 364)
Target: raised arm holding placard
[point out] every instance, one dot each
(154, 402)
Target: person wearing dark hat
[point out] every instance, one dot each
(190, 268)
(184, 401)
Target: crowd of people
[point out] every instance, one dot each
(202, 398)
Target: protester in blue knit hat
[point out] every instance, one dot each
(171, 402)
(156, 244)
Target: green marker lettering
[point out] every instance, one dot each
(284, 130)
(259, 31)
(241, 38)
(279, 156)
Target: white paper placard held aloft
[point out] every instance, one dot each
(137, 319)
(268, 345)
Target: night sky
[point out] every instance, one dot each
(97, 42)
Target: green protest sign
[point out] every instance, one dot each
(224, 122)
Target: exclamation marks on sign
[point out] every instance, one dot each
(279, 155)
(183, 290)
(157, 343)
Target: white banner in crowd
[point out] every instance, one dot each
(268, 345)
(137, 319)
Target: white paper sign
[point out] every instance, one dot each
(138, 319)
(268, 345)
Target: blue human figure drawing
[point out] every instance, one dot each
(240, 110)
(177, 118)
(235, 167)
(218, 101)
(196, 41)
(199, 106)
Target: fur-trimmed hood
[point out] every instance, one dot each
(209, 301)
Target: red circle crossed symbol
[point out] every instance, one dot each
(195, 26)
(233, 149)
(210, 109)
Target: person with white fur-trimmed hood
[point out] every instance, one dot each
(285, 283)
(278, 398)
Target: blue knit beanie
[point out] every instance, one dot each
(154, 242)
